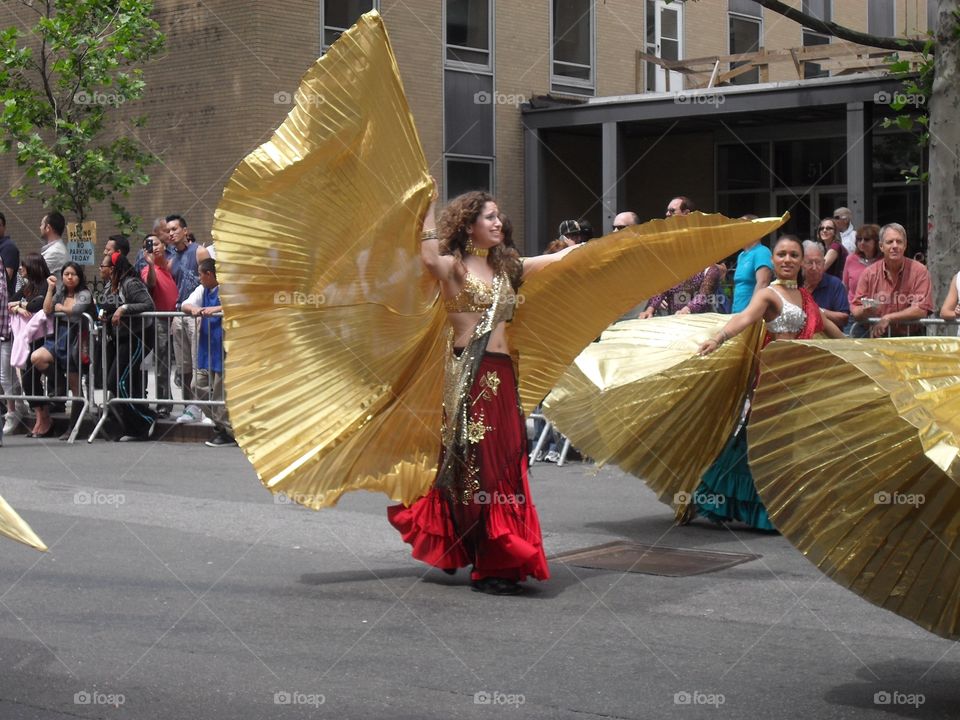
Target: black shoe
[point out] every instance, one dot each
(163, 412)
(146, 435)
(497, 586)
(449, 571)
(221, 439)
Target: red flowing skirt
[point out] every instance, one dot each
(494, 525)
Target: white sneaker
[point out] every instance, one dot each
(207, 421)
(10, 423)
(552, 456)
(191, 414)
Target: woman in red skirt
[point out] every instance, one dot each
(479, 510)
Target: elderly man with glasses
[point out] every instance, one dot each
(830, 293)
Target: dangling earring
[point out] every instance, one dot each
(469, 249)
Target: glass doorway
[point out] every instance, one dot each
(806, 207)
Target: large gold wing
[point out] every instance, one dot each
(643, 400)
(568, 304)
(855, 450)
(14, 526)
(333, 333)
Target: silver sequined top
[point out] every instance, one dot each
(791, 319)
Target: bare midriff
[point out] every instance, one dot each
(463, 326)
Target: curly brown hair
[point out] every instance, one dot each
(457, 216)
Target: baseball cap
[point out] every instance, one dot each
(570, 227)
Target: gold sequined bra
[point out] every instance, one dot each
(475, 296)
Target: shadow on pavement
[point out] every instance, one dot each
(905, 688)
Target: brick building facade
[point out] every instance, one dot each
(230, 66)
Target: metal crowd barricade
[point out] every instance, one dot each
(154, 334)
(84, 329)
(931, 325)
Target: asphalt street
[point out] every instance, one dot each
(176, 587)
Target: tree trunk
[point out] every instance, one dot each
(943, 221)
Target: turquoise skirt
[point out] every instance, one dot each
(726, 491)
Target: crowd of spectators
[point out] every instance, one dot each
(162, 305)
(861, 278)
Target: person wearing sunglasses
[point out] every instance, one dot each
(867, 253)
(624, 220)
(835, 254)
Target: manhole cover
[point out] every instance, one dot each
(653, 559)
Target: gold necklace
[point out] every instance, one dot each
(788, 284)
(479, 252)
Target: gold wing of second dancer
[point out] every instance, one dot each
(333, 332)
(15, 527)
(855, 451)
(566, 305)
(643, 400)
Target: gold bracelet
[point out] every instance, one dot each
(428, 235)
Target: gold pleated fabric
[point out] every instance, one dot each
(854, 448)
(15, 527)
(643, 400)
(567, 305)
(334, 333)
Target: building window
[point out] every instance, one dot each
(812, 69)
(468, 33)
(572, 49)
(881, 17)
(336, 16)
(664, 39)
(468, 96)
(745, 36)
(467, 174)
(746, 7)
(819, 9)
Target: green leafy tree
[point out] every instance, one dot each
(66, 85)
